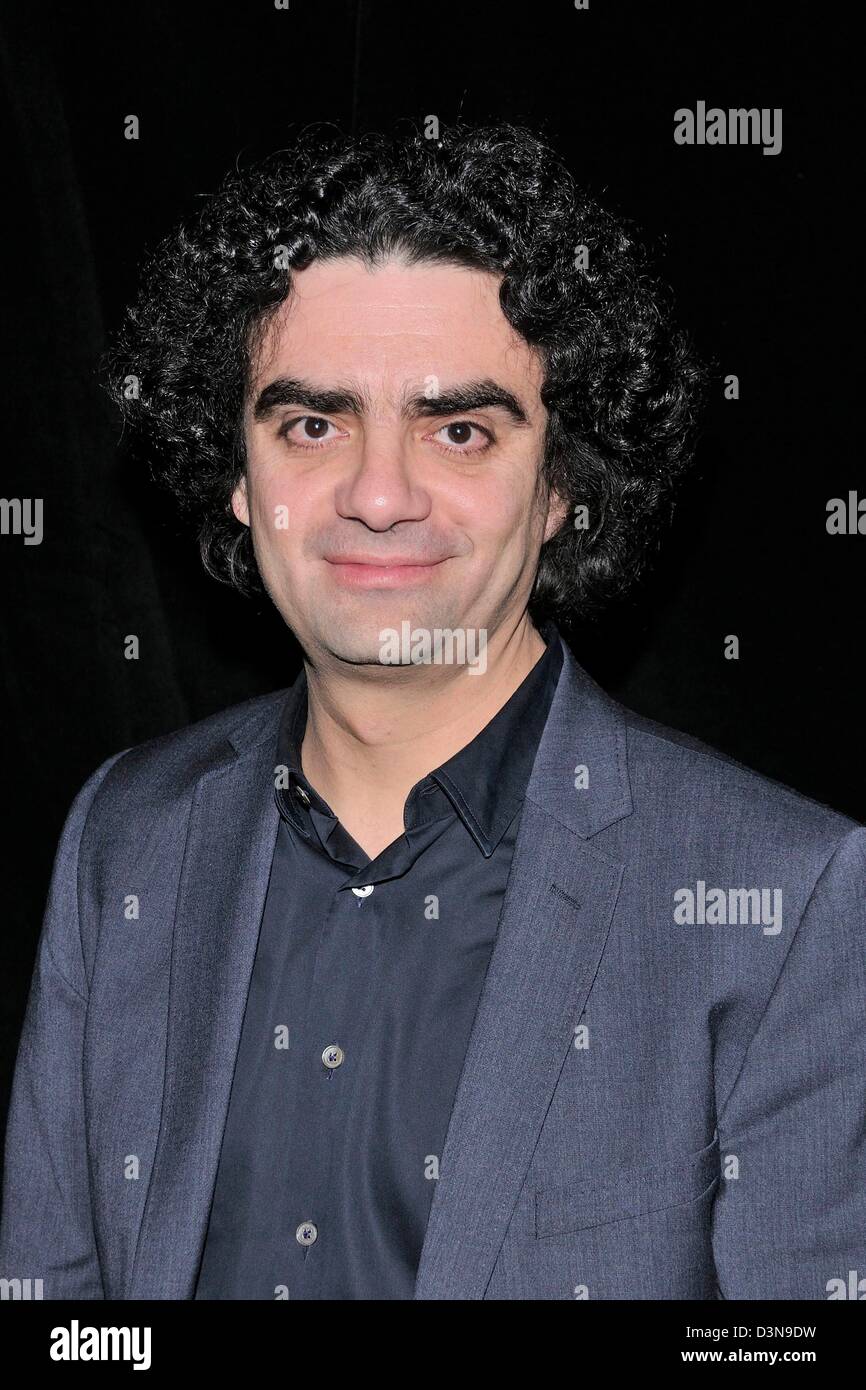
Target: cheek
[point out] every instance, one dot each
(269, 511)
(498, 515)
(275, 506)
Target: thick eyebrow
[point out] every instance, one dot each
(340, 400)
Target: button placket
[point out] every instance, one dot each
(326, 1110)
(325, 1114)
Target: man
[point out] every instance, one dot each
(441, 974)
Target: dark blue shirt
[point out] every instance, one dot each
(364, 990)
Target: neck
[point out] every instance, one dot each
(368, 741)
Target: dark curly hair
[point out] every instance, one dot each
(623, 385)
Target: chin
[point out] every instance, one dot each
(355, 651)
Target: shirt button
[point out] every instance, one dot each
(363, 892)
(302, 796)
(306, 1233)
(333, 1056)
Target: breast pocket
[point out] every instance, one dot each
(631, 1192)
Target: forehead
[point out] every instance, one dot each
(396, 322)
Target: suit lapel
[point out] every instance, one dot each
(229, 847)
(552, 933)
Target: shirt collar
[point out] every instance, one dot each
(485, 781)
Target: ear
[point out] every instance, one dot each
(556, 513)
(240, 503)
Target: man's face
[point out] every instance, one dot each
(373, 498)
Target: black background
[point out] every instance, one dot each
(762, 251)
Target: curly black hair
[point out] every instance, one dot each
(622, 384)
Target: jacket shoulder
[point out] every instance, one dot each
(679, 765)
(169, 764)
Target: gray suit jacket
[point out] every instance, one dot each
(665, 1088)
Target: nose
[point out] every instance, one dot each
(381, 487)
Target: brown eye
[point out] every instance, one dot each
(459, 437)
(307, 431)
(314, 427)
(460, 433)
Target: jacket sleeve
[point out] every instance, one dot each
(790, 1215)
(46, 1229)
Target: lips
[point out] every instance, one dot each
(382, 561)
(371, 572)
